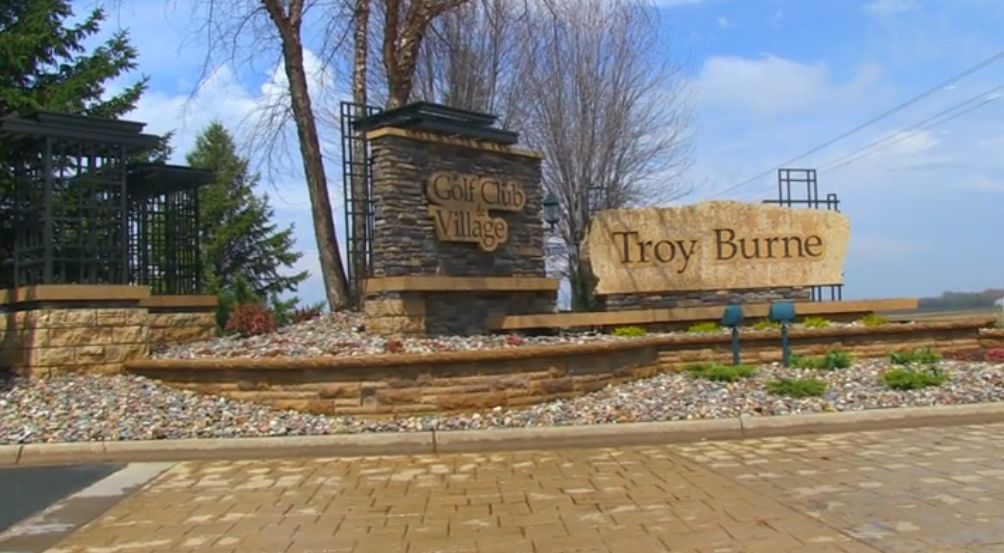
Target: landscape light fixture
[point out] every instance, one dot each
(783, 312)
(551, 205)
(732, 318)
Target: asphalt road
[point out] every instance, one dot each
(25, 491)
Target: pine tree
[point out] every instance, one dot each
(243, 251)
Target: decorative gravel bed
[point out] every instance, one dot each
(342, 334)
(93, 408)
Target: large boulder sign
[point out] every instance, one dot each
(717, 245)
(459, 206)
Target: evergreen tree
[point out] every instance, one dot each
(44, 64)
(243, 251)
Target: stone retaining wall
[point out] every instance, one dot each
(477, 380)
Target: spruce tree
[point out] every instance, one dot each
(244, 253)
(44, 64)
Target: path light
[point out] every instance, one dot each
(732, 318)
(551, 205)
(783, 312)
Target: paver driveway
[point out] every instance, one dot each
(926, 490)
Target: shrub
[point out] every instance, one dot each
(832, 360)
(815, 322)
(994, 356)
(304, 314)
(919, 356)
(797, 387)
(873, 319)
(250, 319)
(720, 373)
(766, 324)
(705, 327)
(630, 331)
(913, 379)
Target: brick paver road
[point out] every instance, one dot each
(926, 490)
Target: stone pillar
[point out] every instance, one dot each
(52, 330)
(58, 329)
(458, 237)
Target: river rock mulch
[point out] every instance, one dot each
(99, 408)
(343, 334)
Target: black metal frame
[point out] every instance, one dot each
(358, 211)
(164, 249)
(71, 200)
(786, 178)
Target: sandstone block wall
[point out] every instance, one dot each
(49, 342)
(168, 329)
(59, 329)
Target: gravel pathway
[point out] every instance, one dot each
(342, 334)
(90, 408)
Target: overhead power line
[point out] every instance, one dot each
(902, 135)
(989, 61)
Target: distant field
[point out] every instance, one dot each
(921, 315)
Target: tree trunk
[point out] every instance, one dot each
(332, 270)
(360, 192)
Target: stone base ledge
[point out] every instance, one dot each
(752, 313)
(73, 292)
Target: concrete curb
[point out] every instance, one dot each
(600, 435)
(476, 441)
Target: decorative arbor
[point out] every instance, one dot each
(78, 206)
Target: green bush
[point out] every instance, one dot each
(766, 324)
(833, 359)
(919, 356)
(815, 322)
(797, 387)
(718, 372)
(873, 319)
(630, 331)
(913, 379)
(705, 327)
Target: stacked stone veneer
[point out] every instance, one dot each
(48, 331)
(405, 242)
(627, 302)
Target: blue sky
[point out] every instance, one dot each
(772, 79)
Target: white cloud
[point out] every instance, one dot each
(770, 85)
(724, 23)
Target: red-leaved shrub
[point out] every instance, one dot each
(250, 319)
(304, 314)
(393, 346)
(514, 340)
(994, 356)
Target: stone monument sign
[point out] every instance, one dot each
(715, 246)
(457, 231)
